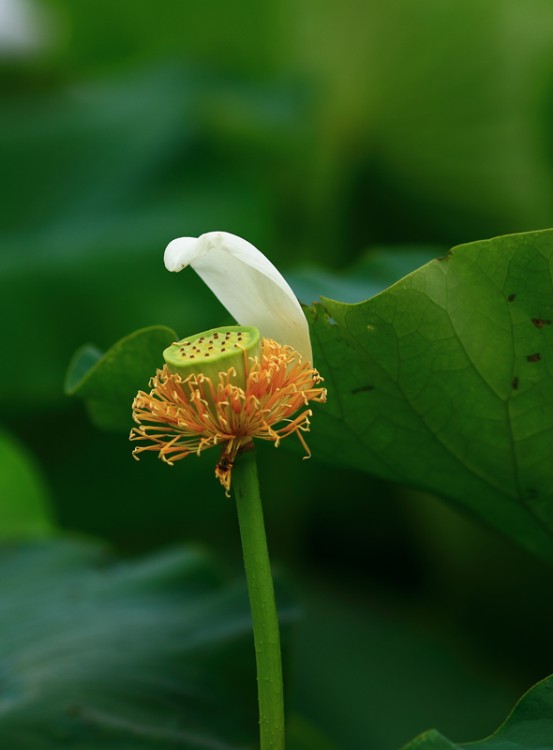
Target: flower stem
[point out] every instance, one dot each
(262, 601)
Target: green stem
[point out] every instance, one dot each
(262, 601)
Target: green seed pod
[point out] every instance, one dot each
(215, 351)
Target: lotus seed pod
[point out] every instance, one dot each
(214, 351)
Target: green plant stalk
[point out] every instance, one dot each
(262, 601)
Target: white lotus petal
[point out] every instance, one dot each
(247, 284)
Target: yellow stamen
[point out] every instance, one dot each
(189, 415)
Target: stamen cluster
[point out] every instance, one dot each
(188, 415)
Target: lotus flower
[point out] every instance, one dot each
(229, 385)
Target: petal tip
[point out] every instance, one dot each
(180, 252)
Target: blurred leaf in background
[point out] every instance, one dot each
(135, 655)
(25, 509)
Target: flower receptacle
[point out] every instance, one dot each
(212, 352)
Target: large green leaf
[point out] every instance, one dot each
(108, 382)
(444, 382)
(155, 653)
(24, 502)
(529, 727)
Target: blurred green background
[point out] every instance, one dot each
(318, 131)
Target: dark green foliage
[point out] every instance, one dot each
(108, 382)
(96, 654)
(317, 131)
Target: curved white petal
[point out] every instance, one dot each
(247, 284)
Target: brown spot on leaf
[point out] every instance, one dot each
(511, 297)
(534, 357)
(540, 322)
(514, 383)
(363, 389)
